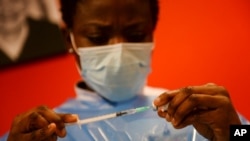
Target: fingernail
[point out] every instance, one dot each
(50, 125)
(75, 116)
(164, 108)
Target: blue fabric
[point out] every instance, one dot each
(4, 137)
(145, 126)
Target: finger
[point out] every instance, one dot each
(68, 118)
(41, 134)
(190, 120)
(29, 121)
(197, 118)
(195, 102)
(164, 98)
(36, 121)
(210, 84)
(161, 114)
(51, 116)
(177, 100)
(203, 127)
(164, 114)
(211, 89)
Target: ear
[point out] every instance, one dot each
(66, 37)
(68, 42)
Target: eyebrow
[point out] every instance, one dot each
(130, 25)
(135, 25)
(97, 23)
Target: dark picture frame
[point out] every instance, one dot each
(29, 30)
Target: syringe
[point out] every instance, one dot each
(111, 115)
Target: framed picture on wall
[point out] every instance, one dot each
(29, 30)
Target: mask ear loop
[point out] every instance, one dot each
(72, 39)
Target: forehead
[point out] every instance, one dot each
(115, 11)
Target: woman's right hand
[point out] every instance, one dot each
(39, 124)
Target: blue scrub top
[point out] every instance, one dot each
(145, 126)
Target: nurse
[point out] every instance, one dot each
(112, 41)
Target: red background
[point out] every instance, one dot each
(196, 42)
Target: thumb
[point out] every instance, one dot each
(68, 118)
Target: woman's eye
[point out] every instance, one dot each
(136, 37)
(98, 39)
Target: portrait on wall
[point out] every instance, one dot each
(29, 30)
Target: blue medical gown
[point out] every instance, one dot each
(145, 126)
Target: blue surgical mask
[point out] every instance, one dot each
(117, 72)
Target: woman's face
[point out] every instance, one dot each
(102, 22)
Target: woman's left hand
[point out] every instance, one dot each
(208, 108)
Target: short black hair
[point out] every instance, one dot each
(68, 8)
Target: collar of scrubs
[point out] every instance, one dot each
(92, 99)
(89, 100)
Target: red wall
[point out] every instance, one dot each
(204, 41)
(196, 42)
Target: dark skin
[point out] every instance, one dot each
(39, 124)
(102, 22)
(207, 107)
(109, 22)
(101, 26)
